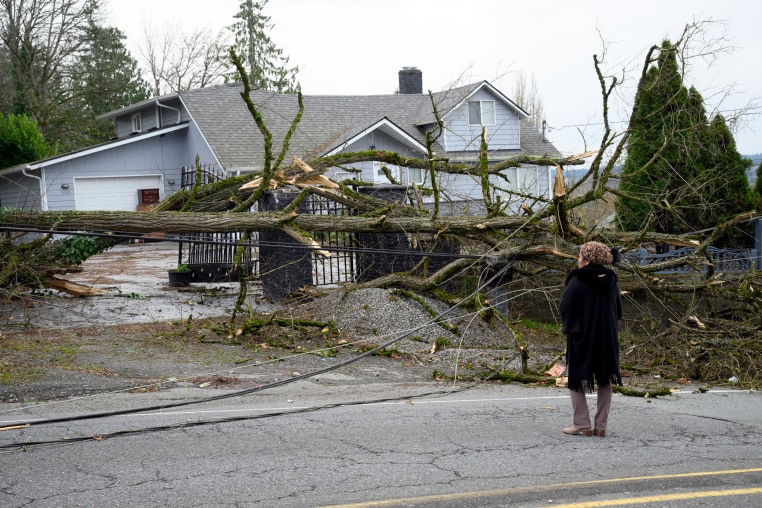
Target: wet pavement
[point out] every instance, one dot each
(135, 289)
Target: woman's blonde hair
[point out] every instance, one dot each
(598, 253)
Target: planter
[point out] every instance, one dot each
(179, 279)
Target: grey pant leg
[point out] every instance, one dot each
(581, 418)
(602, 406)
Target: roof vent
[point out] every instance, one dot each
(411, 80)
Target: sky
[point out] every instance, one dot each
(357, 47)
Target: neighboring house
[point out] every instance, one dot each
(157, 139)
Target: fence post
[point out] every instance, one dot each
(387, 252)
(284, 266)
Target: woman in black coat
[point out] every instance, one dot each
(591, 307)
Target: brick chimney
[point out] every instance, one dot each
(411, 80)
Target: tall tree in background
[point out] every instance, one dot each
(6, 81)
(731, 192)
(43, 39)
(62, 67)
(655, 168)
(109, 79)
(678, 166)
(264, 62)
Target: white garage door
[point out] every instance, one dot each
(112, 193)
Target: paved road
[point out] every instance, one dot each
(493, 445)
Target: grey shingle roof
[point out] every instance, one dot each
(327, 121)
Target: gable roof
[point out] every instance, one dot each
(328, 121)
(449, 100)
(386, 126)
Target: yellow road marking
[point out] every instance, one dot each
(540, 488)
(662, 497)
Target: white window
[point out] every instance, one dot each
(415, 175)
(528, 181)
(380, 177)
(481, 113)
(137, 125)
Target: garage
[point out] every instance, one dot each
(114, 193)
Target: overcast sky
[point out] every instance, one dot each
(357, 47)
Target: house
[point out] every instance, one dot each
(157, 140)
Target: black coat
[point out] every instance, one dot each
(591, 307)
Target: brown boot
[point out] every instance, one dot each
(574, 431)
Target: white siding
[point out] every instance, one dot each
(504, 135)
(531, 181)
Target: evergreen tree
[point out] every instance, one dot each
(652, 170)
(109, 79)
(264, 61)
(681, 174)
(729, 192)
(20, 141)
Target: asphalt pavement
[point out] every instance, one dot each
(311, 443)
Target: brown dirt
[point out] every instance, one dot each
(38, 364)
(43, 364)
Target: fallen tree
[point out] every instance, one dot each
(544, 239)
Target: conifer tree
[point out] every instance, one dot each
(108, 79)
(652, 171)
(682, 174)
(728, 189)
(265, 62)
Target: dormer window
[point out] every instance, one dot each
(137, 125)
(481, 113)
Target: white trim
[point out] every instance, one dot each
(481, 123)
(43, 190)
(135, 107)
(137, 122)
(384, 124)
(106, 146)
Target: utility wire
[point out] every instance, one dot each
(22, 424)
(90, 416)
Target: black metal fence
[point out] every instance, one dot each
(723, 260)
(209, 173)
(340, 265)
(210, 256)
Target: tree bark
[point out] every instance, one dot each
(219, 222)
